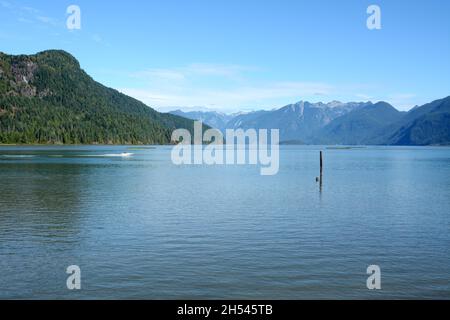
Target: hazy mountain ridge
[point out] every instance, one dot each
(300, 121)
(297, 122)
(354, 123)
(214, 119)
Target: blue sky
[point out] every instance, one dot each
(242, 55)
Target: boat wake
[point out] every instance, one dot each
(120, 155)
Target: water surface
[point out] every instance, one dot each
(140, 227)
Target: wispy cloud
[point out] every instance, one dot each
(232, 99)
(5, 4)
(47, 20)
(219, 86)
(159, 74)
(364, 96)
(220, 70)
(402, 101)
(41, 19)
(24, 20)
(28, 14)
(31, 10)
(231, 88)
(195, 70)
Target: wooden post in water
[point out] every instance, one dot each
(321, 163)
(321, 170)
(319, 179)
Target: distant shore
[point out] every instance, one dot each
(328, 147)
(84, 145)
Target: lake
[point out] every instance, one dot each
(140, 227)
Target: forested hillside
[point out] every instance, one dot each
(48, 98)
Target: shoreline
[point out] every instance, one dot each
(328, 147)
(85, 145)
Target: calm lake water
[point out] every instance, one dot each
(141, 227)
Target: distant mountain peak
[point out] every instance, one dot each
(350, 123)
(59, 56)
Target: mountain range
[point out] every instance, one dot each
(336, 123)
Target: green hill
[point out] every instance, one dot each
(48, 98)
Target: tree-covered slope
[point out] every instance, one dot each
(48, 98)
(360, 125)
(426, 125)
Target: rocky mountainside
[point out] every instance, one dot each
(354, 123)
(297, 122)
